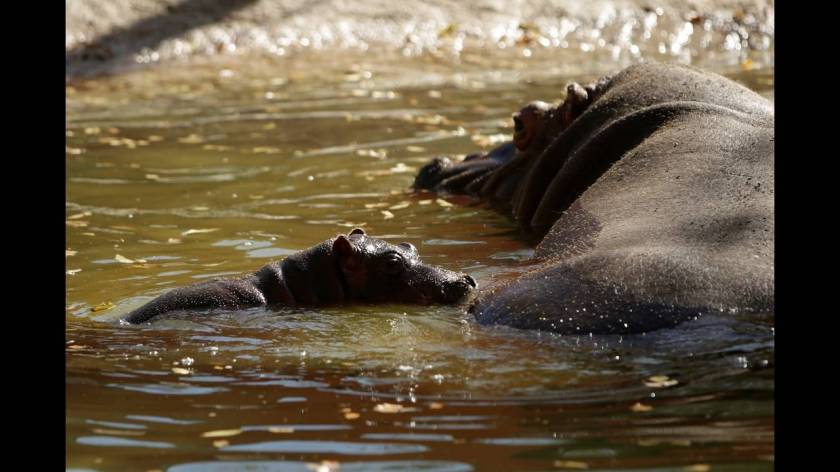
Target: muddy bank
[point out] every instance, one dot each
(107, 36)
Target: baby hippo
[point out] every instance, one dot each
(348, 268)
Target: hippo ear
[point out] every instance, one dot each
(357, 231)
(341, 247)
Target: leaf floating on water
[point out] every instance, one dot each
(659, 381)
(173, 241)
(425, 202)
(401, 168)
(76, 347)
(198, 231)
(431, 120)
(73, 271)
(698, 468)
(392, 408)
(277, 430)
(152, 176)
(79, 215)
(216, 147)
(443, 202)
(434, 94)
(191, 139)
(351, 415)
(69, 253)
(400, 205)
(220, 443)
(180, 371)
(74, 151)
(92, 130)
(377, 153)
(221, 433)
(415, 148)
(76, 223)
(435, 406)
(639, 407)
(571, 465)
(123, 259)
(648, 442)
(387, 214)
(102, 306)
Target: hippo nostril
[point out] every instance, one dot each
(471, 281)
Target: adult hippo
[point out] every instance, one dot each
(344, 269)
(651, 192)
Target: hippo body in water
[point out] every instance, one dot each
(344, 269)
(650, 193)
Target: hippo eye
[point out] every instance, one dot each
(394, 264)
(409, 246)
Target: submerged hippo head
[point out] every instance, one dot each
(494, 175)
(369, 269)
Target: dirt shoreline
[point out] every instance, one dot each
(110, 36)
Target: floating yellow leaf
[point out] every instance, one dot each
(221, 433)
(435, 406)
(180, 371)
(443, 202)
(434, 94)
(75, 347)
(92, 130)
(191, 139)
(390, 408)
(400, 205)
(387, 214)
(648, 442)
(638, 407)
(198, 231)
(221, 443)
(173, 241)
(73, 271)
(123, 259)
(425, 202)
(102, 306)
(415, 148)
(68, 253)
(76, 223)
(698, 468)
(351, 416)
(571, 465)
(660, 381)
(401, 168)
(152, 176)
(73, 151)
(277, 430)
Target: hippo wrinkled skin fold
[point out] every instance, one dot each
(650, 193)
(343, 269)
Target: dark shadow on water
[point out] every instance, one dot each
(116, 49)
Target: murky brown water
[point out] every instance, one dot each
(193, 173)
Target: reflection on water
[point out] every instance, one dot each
(182, 175)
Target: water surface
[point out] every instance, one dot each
(183, 174)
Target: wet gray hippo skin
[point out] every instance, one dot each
(651, 193)
(344, 269)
